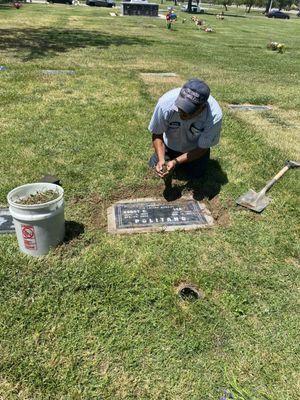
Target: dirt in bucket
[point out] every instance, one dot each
(38, 198)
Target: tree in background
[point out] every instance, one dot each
(280, 4)
(224, 3)
(250, 3)
(239, 3)
(283, 4)
(268, 5)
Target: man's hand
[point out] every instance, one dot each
(163, 169)
(160, 169)
(170, 166)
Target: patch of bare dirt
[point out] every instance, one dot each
(220, 213)
(98, 205)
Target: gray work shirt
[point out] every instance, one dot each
(203, 131)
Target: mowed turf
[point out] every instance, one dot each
(99, 318)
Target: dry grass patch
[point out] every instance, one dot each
(157, 87)
(154, 78)
(278, 128)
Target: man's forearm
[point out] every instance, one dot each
(191, 156)
(159, 146)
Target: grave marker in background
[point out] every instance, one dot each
(139, 9)
(6, 221)
(58, 72)
(248, 107)
(159, 74)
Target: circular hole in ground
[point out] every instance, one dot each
(189, 292)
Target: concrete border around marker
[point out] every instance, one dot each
(111, 222)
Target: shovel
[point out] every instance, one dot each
(258, 201)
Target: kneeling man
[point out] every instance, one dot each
(186, 122)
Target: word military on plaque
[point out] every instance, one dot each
(6, 221)
(152, 215)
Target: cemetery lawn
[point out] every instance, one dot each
(98, 318)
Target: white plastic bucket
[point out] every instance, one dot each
(39, 227)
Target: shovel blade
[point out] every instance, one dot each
(250, 200)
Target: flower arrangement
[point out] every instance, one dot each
(198, 21)
(171, 17)
(220, 16)
(17, 5)
(201, 24)
(275, 46)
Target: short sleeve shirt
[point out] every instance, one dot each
(203, 131)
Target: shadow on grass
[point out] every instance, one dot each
(49, 42)
(206, 187)
(73, 230)
(227, 15)
(211, 183)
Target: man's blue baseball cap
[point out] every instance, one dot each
(193, 94)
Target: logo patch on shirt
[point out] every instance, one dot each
(174, 124)
(195, 130)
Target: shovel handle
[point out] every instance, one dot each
(272, 181)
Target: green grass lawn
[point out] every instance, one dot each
(98, 318)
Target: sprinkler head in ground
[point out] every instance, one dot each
(189, 292)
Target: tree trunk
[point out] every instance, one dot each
(249, 8)
(225, 5)
(268, 6)
(189, 6)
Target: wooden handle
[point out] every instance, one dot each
(272, 181)
(280, 173)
